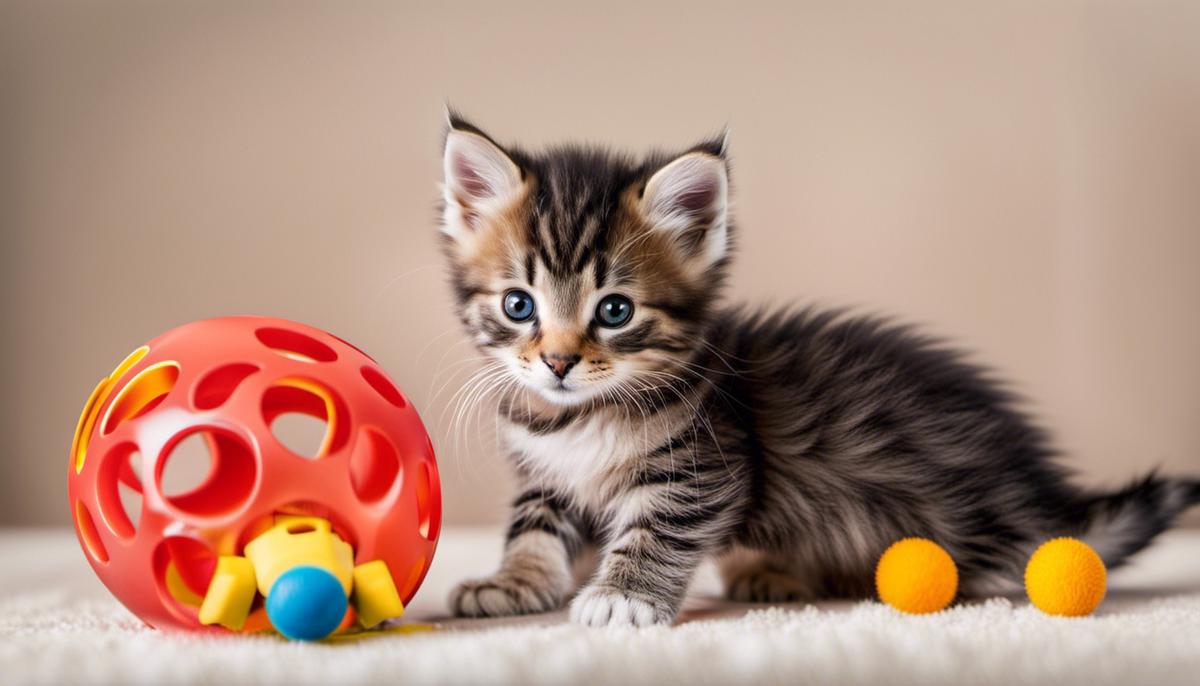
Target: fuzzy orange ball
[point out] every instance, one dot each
(1065, 577)
(917, 576)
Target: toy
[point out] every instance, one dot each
(917, 576)
(1065, 577)
(306, 573)
(267, 536)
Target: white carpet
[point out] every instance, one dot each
(59, 626)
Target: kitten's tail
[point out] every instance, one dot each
(1121, 523)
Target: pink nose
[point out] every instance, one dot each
(559, 363)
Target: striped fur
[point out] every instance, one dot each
(793, 447)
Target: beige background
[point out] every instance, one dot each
(1021, 177)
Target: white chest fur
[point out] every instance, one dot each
(588, 458)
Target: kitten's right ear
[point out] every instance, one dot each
(480, 178)
(688, 198)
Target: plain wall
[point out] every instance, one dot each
(1023, 178)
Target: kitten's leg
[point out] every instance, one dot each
(645, 569)
(544, 538)
(641, 581)
(754, 577)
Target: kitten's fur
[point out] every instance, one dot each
(792, 446)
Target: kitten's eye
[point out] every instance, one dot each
(518, 305)
(614, 311)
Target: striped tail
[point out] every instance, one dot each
(1120, 524)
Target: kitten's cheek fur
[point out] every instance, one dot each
(600, 607)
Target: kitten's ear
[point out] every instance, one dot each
(479, 178)
(690, 197)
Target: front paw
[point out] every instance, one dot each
(502, 595)
(597, 606)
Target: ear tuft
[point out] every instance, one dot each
(456, 121)
(479, 177)
(717, 146)
(689, 196)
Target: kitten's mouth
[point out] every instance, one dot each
(560, 393)
(559, 385)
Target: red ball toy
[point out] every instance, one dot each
(227, 380)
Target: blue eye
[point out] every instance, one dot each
(614, 311)
(518, 305)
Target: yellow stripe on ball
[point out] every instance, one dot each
(1066, 577)
(917, 576)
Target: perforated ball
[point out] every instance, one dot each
(917, 576)
(1065, 577)
(209, 399)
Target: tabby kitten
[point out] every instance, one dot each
(644, 418)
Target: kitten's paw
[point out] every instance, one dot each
(767, 586)
(502, 595)
(597, 606)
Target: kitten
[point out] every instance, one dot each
(644, 418)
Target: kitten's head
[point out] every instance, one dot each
(587, 274)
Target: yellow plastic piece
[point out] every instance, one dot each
(127, 363)
(917, 576)
(1066, 577)
(91, 409)
(88, 533)
(179, 589)
(148, 385)
(375, 597)
(292, 541)
(297, 540)
(230, 593)
(87, 420)
(331, 415)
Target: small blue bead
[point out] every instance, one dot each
(306, 603)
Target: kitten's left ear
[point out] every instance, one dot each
(690, 198)
(480, 178)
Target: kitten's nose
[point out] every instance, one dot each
(559, 363)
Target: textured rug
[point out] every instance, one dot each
(58, 625)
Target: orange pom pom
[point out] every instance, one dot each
(1066, 577)
(917, 576)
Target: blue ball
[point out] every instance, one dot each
(306, 603)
